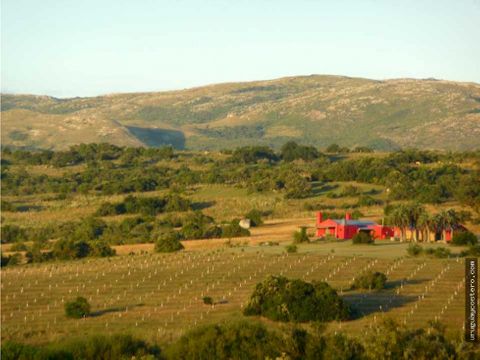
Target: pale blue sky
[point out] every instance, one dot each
(91, 47)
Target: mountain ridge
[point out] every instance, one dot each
(312, 109)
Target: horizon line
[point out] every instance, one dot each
(229, 82)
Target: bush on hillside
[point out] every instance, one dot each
(473, 250)
(255, 217)
(100, 248)
(66, 249)
(169, 242)
(282, 299)
(292, 151)
(234, 230)
(464, 238)
(370, 280)
(77, 308)
(12, 233)
(362, 237)
(414, 250)
(199, 226)
(291, 249)
(233, 341)
(442, 252)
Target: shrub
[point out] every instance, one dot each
(464, 238)
(89, 229)
(207, 300)
(282, 299)
(175, 202)
(66, 249)
(370, 280)
(301, 236)
(292, 151)
(362, 237)
(292, 248)
(169, 242)
(234, 230)
(12, 233)
(77, 308)
(442, 252)
(473, 250)
(233, 341)
(255, 217)
(429, 251)
(94, 347)
(100, 248)
(414, 250)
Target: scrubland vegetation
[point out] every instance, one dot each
(67, 214)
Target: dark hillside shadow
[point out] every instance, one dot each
(159, 137)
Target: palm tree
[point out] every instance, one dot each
(452, 220)
(423, 224)
(415, 212)
(447, 220)
(399, 218)
(437, 224)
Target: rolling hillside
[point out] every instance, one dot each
(317, 110)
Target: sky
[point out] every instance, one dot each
(68, 48)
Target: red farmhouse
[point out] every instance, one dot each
(346, 228)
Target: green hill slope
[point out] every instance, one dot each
(317, 110)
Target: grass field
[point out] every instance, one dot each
(159, 296)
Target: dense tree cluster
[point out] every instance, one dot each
(145, 205)
(282, 299)
(250, 340)
(424, 176)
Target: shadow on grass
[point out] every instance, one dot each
(366, 303)
(390, 285)
(27, 208)
(322, 189)
(112, 310)
(202, 205)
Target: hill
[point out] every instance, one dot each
(317, 110)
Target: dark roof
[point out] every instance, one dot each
(359, 223)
